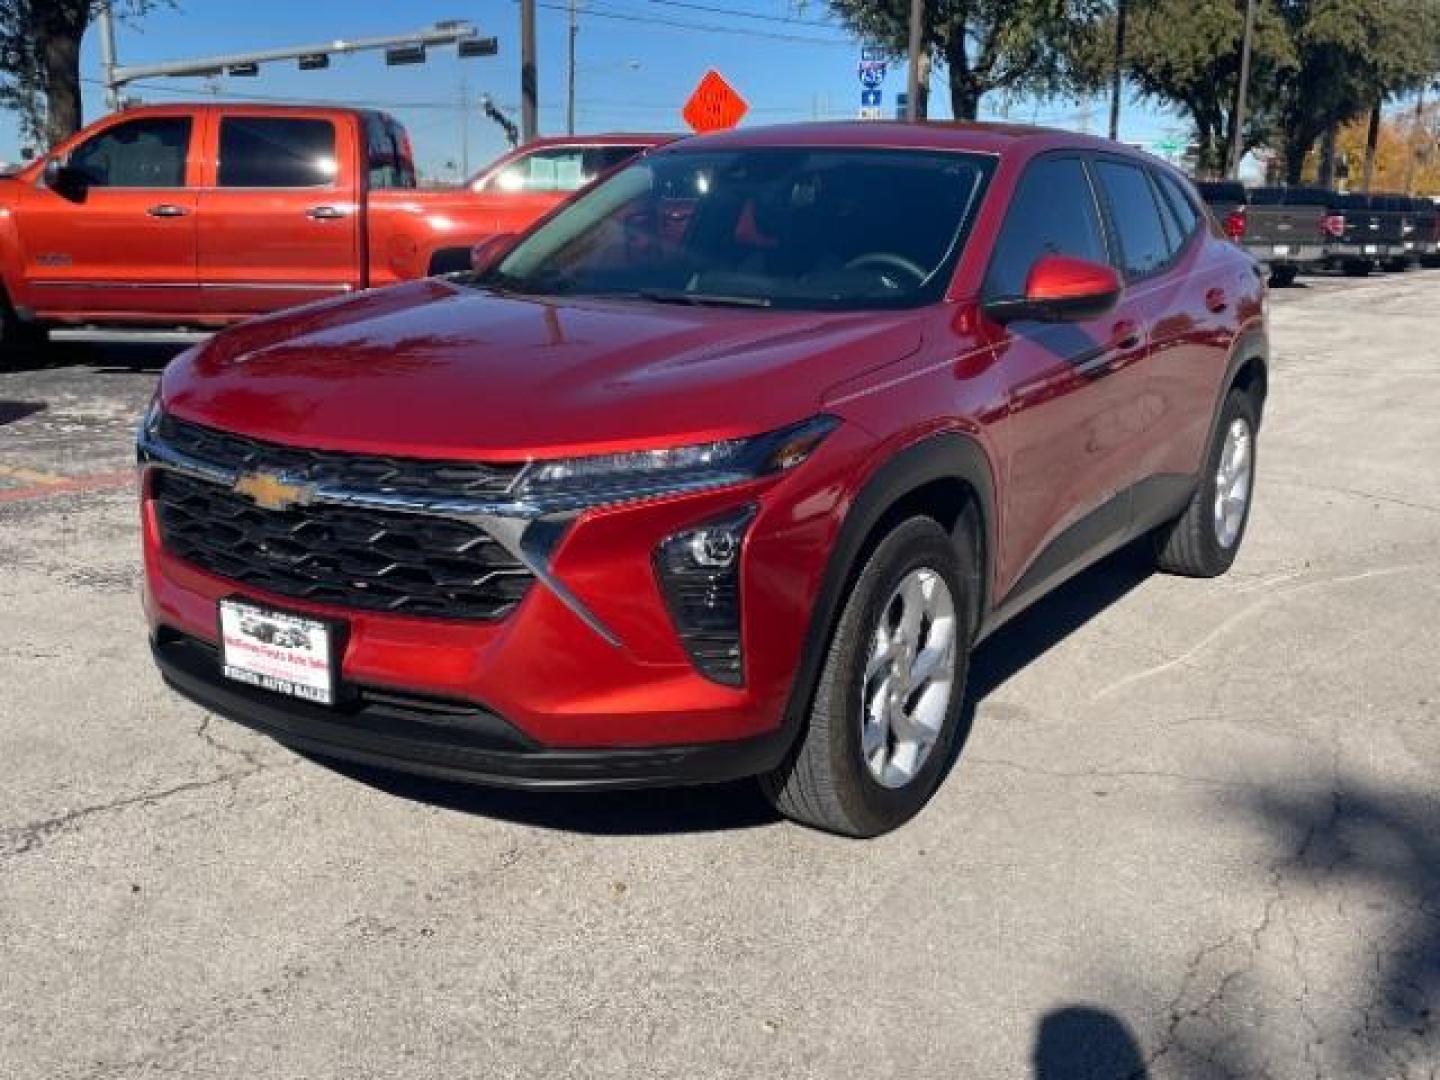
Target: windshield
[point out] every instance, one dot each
(794, 228)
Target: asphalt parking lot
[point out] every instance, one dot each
(1194, 831)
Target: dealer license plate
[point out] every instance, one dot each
(1282, 249)
(1372, 249)
(277, 651)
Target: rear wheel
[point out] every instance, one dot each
(1203, 541)
(1357, 267)
(1397, 266)
(887, 708)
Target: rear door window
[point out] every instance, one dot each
(277, 152)
(1053, 212)
(1144, 245)
(141, 153)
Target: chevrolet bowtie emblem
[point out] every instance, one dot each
(270, 492)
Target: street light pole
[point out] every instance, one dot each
(529, 108)
(570, 89)
(1237, 133)
(105, 21)
(1117, 76)
(917, 42)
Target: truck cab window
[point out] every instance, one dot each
(147, 153)
(270, 152)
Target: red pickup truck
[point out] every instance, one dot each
(203, 215)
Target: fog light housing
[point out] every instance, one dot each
(699, 574)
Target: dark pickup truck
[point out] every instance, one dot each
(1283, 227)
(1427, 231)
(1379, 230)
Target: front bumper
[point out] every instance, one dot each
(448, 740)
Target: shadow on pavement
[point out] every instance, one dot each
(1081, 1042)
(740, 805)
(11, 411)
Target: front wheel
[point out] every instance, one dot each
(886, 712)
(1203, 541)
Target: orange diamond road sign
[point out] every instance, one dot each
(714, 106)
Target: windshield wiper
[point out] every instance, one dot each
(680, 296)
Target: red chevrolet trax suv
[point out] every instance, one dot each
(720, 470)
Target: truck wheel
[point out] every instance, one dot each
(1357, 267)
(1283, 276)
(17, 338)
(1203, 541)
(1397, 266)
(886, 712)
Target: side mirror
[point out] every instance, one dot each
(488, 252)
(1060, 288)
(60, 177)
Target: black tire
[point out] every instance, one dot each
(1189, 545)
(1357, 267)
(1282, 276)
(1397, 266)
(825, 781)
(18, 339)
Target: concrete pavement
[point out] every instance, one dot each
(1194, 831)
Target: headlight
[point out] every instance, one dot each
(644, 473)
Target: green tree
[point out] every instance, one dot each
(40, 60)
(1350, 56)
(1185, 54)
(1012, 46)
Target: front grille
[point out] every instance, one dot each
(374, 560)
(454, 479)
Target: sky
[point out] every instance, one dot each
(637, 61)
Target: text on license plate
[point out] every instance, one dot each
(277, 651)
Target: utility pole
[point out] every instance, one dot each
(570, 89)
(917, 45)
(529, 79)
(106, 22)
(464, 129)
(1416, 140)
(1242, 90)
(1117, 77)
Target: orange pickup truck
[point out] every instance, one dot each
(197, 216)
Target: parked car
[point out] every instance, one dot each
(517, 189)
(722, 470)
(1283, 227)
(203, 215)
(1379, 231)
(1398, 231)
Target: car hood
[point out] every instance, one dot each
(435, 368)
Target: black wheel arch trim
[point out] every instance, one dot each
(1251, 344)
(948, 455)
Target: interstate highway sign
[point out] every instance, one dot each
(714, 106)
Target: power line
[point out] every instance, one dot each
(708, 28)
(787, 20)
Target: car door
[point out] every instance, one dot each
(1065, 441)
(121, 241)
(1193, 304)
(280, 220)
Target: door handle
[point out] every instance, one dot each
(167, 210)
(1125, 335)
(1216, 300)
(324, 213)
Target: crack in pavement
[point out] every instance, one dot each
(1108, 774)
